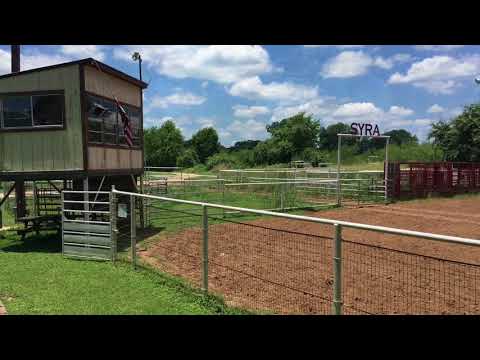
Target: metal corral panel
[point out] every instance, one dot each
(86, 225)
(54, 150)
(87, 252)
(87, 240)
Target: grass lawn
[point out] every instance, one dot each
(36, 279)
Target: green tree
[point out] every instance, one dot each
(223, 160)
(299, 132)
(261, 153)
(329, 138)
(459, 139)
(313, 156)
(401, 137)
(205, 142)
(163, 145)
(244, 145)
(187, 159)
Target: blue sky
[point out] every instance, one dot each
(239, 89)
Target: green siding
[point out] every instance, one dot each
(45, 150)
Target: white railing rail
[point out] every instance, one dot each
(376, 228)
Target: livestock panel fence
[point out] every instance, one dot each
(275, 194)
(272, 262)
(417, 179)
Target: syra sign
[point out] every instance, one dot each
(365, 129)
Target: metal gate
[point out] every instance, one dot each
(416, 180)
(86, 225)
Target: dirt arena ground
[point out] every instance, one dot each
(285, 266)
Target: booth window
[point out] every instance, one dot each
(31, 111)
(134, 115)
(47, 110)
(105, 123)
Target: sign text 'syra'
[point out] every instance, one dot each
(365, 129)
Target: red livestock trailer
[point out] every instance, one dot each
(421, 179)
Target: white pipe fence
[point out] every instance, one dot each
(338, 226)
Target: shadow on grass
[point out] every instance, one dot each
(213, 301)
(43, 243)
(124, 240)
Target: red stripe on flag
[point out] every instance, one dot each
(127, 129)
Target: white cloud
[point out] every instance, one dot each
(419, 126)
(219, 63)
(254, 88)
(455, 111)
(205, 122)
(438, 74)
(356, 109)
(383, 63)
(31, 59)
(355, 63)
(224, 136)
(400, 111)
(178, 98)
(444, 113)
(244, 130)
(153, 121)
(204, 84)
(438, 47)
(84, 51)
(36, 60)
(5, 62)
(435, 109)
(316, 108)
(402, 58)
(249, 111)
(422, 121)
(347, 64)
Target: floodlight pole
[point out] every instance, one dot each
(137, 57)
(140, 67)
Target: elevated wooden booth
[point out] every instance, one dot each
(61, 125)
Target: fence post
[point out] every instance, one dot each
(386, 171)
(358, 195)
(282, 194)
(339, 159)
(337, 271)
(223, 197)
(141, 207)
(133, 231)
(205, 250)
(113, 223)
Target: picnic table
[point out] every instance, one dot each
(39, 223)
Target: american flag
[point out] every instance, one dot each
(127, 127)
